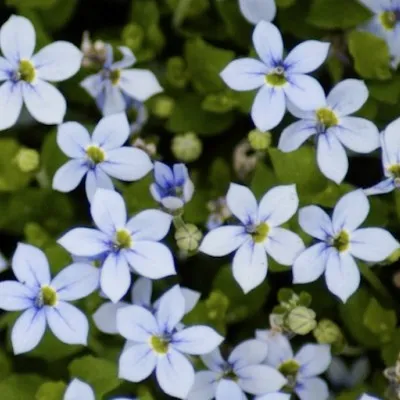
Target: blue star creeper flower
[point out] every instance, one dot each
(172, 187)
(390, 143)
(122, 244)
(115, 87)
(303, 368)
(26, 75)
(258, 10)
(242, 372)
(105, 318)
(156, 344)
(258, 234)
(344, 377)
(279, 79)
(334, 128)
(45, 300)
(99, 156)
(79, 390)
(340, 241)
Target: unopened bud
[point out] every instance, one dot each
(177, 73)
(28, 160)
(301, 320)
(188, 237)
(132, 36)
(259, 140)
(327, 332)
(187, 147)
(162, 106)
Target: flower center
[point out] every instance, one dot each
(342, 241)
(389, 19)
(230, 375)
(259, 233)
(159, 344)
(47, 297)
(289, 370)
(26, 71)
(394, 170)
(95, 154)
(123, 239)
(326, 117)
(276, 77)
(115, 76)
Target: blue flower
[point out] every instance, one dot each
(157, 344)
(105, 318)
(258, 234)
(115, 87)
(302, 369)
(340, 241)
(79, 390)
(121, 243)
(242, 372)
(334, 128)
(26, 75)
(390, 142)
(99, 156)
(172, 187)
(258, 10)
(341, 376)
(279, 79)
(45, 300)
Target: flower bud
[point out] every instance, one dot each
(301, 320)
(177, 73)
(132, 36)
(162, 106)
(327, 332)
(259, 140)
(28, 160)
(188, 237)
(187, 147)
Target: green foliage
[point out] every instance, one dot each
(20, 387)
(51, 391)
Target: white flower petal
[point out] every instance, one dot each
(258, 10)
(72, 139)
(316, 222)
(69, 176)
(296, 134)
(140, 84)
(260, 379)
(312, 389)
(105, 317)
(10, 103)
(205, 386)
(268, 43)
(242, 203)
(314, 359)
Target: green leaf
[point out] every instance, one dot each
(51, 155)
(137, 195)
(390, 351)
(285, 295)
(51, 391)
(219, 177)
(20, 387)
(380, 321)
(56, 16)
(387, 92)
(5, 365)
(263, 180)
(371, 55)
(31, 3)
(219, 102)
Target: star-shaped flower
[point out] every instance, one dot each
(334, 128)
(279, 79)
(258, 10)
(340, 240)
(26, 75)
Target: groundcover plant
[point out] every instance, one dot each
(199, 199)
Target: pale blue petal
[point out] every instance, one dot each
(149, 225)
(249, 352)
(338, 374)
(114, 101)
(376, 6)
(128, 58)
(17, 39)
(136, 323)
(14, 296)
(314, 359)
(140, 84)
(228, 389)
(6, 69)
(181, 174)
(242, 203)
(76, 281)
(316, 222)
(304, 92)
(307, 57)
(214, 361)
(191, 298)
(274, 396)
(223, 240)
(390, 139)
(141, 292)
(172, 203)
(171, 309)
(72, 139)
(58, 61)
(332, 158)
(44, 102)
(79, 390)
(296, 134)
(310, 264)
(10, 103)
(108, 211)
(244, 74)
(360, 370)
(347, 96)
(111, 132)
(151, 259)
(268, 108)
(279, 347)
(358, 134)
(205, 386)
(196, 340)
(260, 379)
(85, 242)
(372, 244)
(299, 113)
(163, 175)
(257, 10)
(30, 266)
(278, 205)
(127, 163)
(350, 211)
(28, 330)
(155, 192)
(105, 317)
(312, 389)
(109, 56)
(93, 84)
(368, 397)
(268, 43)
(250, 265)
(97, 179)
(115, 277)
(283, 246)
(137, 363)
(175, 374)
(68, 177)
(68, 324)
(188, 190)
(342, 275)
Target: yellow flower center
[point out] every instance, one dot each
(388, 20)
(276, 77)
(115, 76)
(394, 170)
(95, 154)
(342, 241)
(326, 117)
(159, 344)
(260, 233)
(123, 239)
(26, 71)
(289, 368)
(47, 296)
(230, 375)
